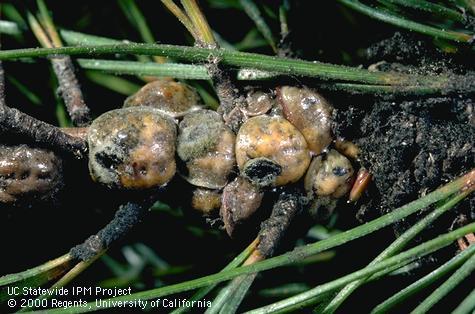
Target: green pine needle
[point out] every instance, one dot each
(407, 24)
(402, 241)
(36, 276)
(201, 293)
(424, 282)
(463, 272)
(252, 10)
(400, 259)
(442, 83)
(467, 306)
(336, 240)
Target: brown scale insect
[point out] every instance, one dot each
(28, 174)
(132, 148)
(171, 98)
(206, 145)
(271, 142)
(206, 201)
(273, 147)
(329, 178)
(310, 113)
(283, 140)
(258, 103)
(240, 200)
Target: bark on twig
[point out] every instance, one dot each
(2, 85)
(273, 229)
(2, 80)
(63, 67)
(229, 98)
(127, 217)
(70, 90)
(13, 121)
(80, 133)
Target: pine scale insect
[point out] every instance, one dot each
(163, 130)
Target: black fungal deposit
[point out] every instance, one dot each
(411, 145)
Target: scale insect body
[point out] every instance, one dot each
(285, 138)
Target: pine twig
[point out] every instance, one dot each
(195, 22)
(223, 83)
(396, 261)
(13, 121)
(63, 67)
(16, 122)
(126, 218)
(70, 90)
(272, 230)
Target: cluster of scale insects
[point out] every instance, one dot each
(162, 130)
